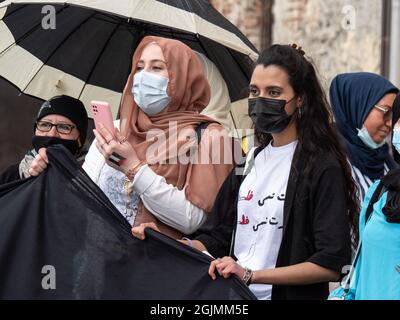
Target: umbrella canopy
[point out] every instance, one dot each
(88, 53)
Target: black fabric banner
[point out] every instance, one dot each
(61, 238)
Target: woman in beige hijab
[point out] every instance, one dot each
(157, 169)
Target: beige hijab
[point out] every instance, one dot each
(190, 94)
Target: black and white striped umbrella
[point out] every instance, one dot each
(85, 48)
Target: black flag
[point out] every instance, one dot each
(61, 238)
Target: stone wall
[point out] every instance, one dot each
(339, 35)
(247, 15)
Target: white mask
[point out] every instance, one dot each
(365, 137)
(150, 92)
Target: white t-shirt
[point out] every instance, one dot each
(260, 212)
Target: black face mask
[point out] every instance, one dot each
(269, 115)
(45, 142)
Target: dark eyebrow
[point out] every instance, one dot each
(274, 87)
(269, 87)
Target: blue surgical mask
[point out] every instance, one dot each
(363, 134)
(396, 139)
(150, 92)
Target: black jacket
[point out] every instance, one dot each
(316, 224)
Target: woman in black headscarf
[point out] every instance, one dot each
(60, 120)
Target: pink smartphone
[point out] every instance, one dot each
(102, 114)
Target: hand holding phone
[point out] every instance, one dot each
(102, 114)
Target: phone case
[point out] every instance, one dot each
(102, 114)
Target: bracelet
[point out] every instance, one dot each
(190, 242)
(128, 186)
(130, 174)
(248, 274)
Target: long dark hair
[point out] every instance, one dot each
(314, 123)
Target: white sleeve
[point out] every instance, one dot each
(94, 162)
(166, 202)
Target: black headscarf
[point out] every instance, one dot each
(69, 107)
